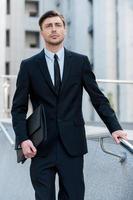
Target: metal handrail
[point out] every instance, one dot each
(127, 145)
(115, 81)
(122, 157)
(8, 76)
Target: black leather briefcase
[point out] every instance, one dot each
(37, 130)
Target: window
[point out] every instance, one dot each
(58, 3)
(7, 68)
(8, 38)
(90, 30)
(8, 7)
(32, 8)
(32, 39)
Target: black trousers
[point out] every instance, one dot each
(69, 170)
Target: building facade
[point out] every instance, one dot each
(113, 46)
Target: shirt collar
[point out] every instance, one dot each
(50, 54)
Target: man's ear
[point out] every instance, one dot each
(41, 32)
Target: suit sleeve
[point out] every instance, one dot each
(20, 105)
(99, 101)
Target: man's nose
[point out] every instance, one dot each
(53, 28)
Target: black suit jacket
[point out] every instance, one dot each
(63, 110)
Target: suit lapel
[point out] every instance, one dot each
(67, 67)
(44, 69)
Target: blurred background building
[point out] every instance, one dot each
(101, 29)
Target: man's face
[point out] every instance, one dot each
(53, 31)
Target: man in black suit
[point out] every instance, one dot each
(55, 78)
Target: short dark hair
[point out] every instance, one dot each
(51, 13)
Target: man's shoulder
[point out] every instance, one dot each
(33, 58)
(79, 58)
(76, 54)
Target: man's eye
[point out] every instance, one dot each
(59, 25)
(49, 25)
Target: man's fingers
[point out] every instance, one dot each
(29, 149)
(117, 135)
(117, 139)
(125, 137)
(29, 154)
(33, 148)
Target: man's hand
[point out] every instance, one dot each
(117, 135)
(28, 149)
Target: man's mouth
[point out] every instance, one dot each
(54, 36)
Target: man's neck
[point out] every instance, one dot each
(54, 48)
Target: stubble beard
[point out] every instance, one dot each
(55, 43)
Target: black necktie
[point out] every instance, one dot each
(57, 76)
